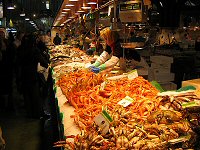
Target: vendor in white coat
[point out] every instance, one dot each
(112, 54)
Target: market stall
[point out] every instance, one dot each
(119, 112)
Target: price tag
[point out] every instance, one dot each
(126, 101)
(132, 74)
(103, 120)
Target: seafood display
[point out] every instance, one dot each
(148, 121)
(63, 54)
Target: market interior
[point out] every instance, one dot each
(55, 80)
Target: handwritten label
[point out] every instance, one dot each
(132, 74)
(126, 101)
(103, 121)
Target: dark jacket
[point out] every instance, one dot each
(57, 40)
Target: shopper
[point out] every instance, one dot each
(3, 96)
(30, 86)
(7, 71)
(47, 38)
(57, 40)
(112, 54)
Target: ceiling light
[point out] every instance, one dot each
(72, 17)
(34, 15)
(22, 14)
(27, 19)
(73, 0)
(161, 4)
(80, 11)
(91, 3)
(62, 24)
(47, 4)
(66, 9)
(64, 12)
(10, 7)
(69, 5)
(86, 7)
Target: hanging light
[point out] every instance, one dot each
(73, 0)
(92, 2)
(66, 9)
(22, 13)
(69, 5)
(80, 11)
(85, 5)
(47, 4)
(10, 5)
(27, 19)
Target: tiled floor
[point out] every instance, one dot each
(21, 133)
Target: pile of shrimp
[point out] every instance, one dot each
(85, 92)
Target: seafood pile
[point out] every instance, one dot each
(151, 121)
(63, 54)
(76, 84)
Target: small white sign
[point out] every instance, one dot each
(103, 121)
(126, 101)
(132, 74)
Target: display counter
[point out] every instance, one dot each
(121, 112)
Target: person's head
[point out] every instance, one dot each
(29, 40)
(109, 36)
(57, 34)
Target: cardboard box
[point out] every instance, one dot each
(161, 66)
(161, 70)
(194, 82)
(161, 59)
(160, 77)
(169, 86)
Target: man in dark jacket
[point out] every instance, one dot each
(57, 39)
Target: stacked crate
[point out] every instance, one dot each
(160, 71)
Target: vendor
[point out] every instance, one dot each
(112, 54)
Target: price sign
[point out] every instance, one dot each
(133, 74)
(103, 121)
(126, 101)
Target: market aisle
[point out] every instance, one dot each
(20, 133)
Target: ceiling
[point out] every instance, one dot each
(35, 10)
(45, 18)
(75, 10)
